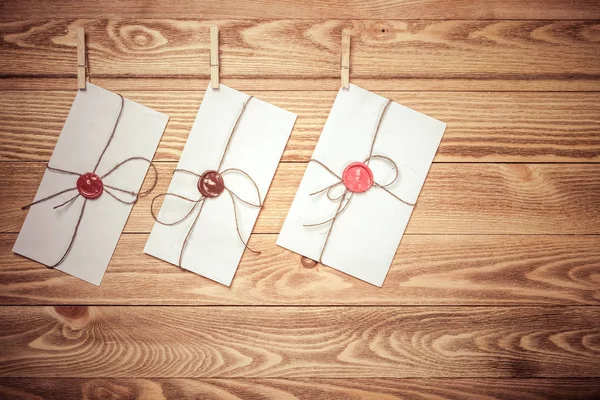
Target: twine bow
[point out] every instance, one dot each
(347, 195)
(104, 187)
(217, 188)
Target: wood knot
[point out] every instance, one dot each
(307, 262)
(72, 312)
(142, 40)
(525, 173)
(74, 317)
(381, 31)
(140, 37)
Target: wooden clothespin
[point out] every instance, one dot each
(214, 57)
(81, 59)
(345, 64)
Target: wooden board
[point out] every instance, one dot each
(290, 342)
(482, 127)
(311, 9)
(200, 84)
(494, 291)
(277, 389)
(306, 49)
(427, 270)
(456, 198)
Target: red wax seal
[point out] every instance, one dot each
(90, 185)
(211, 184)
(357, 177)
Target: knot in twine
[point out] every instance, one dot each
(210, 185)
(352, 188)
(90, 186)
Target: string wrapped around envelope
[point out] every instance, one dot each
(210, 185)
(90, 186)
(357, 178)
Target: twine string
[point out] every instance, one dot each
(26, 207)
(187, 171)
(327, 188)
(235, 216)
(381, 115)
(64, 171)
(189, 233)
(201, 201)
(233, 130)
(106, 188)
(408, 203)
(342, 206)
(72, 241)
(186, 216)
(72, 199)
(330, 187)
(330, 192)
(393, 165)
(253, 183)
(112, 134)
(339, 210)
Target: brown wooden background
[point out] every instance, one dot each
(495, 290)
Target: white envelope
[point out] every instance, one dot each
(46, 232)
(214, 249)
(365, 237)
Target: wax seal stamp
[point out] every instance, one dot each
(211, 184)
(90, 185)
(357, 177)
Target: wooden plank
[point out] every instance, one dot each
(304, 9)
(309, 84)
(457, 49)
(427, 270)
(317, 388)
(294, 342)
(456, 198)
(482, 126)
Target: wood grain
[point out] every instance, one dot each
(463, 49)
(291, 342)
(307, 84)
(314, 389)
(495, 289)
(456, 198)
(311, 9)
(427, 270)
(482, 127)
